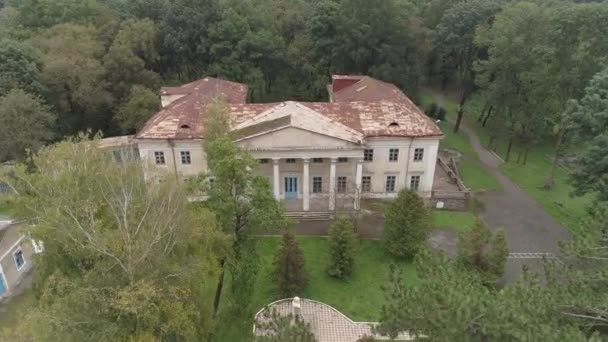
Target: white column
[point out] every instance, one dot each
(275, 174)
(306, 185)
(332, 184)
(358, 180)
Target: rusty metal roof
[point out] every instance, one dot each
(183, 118)
(369, 108)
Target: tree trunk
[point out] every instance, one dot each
(483, 113)
(485, 120)
(463, 100)
(526, 155)
(519, 154)
(491, 142)
(509, 147)
(219, 288)
(550, 182)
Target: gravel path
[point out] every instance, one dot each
(529, 228)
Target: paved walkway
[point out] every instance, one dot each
(529, 228)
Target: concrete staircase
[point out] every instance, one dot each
(309, 215)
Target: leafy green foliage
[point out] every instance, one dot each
(274, 327)
(141, 104)
(19, 67)
(483, 251)
(25, 125)
(408, 223)
(131, 249)
(290, 272)
(343, 244)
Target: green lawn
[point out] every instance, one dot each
(531, 177)
(6, 208)
(457, 220)
(474, 176)
(360, 297)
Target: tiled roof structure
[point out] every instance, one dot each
(326, 323)
(183, 119)
(361, 106)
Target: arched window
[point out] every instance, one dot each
(184, 126)
(394, 124)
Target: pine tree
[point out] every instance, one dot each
(483, 251)
(342, 244)
(290, 272)
(408, 223)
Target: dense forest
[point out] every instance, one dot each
(98, 64)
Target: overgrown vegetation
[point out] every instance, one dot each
(343, 244)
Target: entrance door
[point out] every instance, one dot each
(291, 187)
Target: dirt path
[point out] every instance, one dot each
(529, 228)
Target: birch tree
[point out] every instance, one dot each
(124, 259)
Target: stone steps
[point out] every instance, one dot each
(309, 215)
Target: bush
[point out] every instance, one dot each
(435, 111)
(407, 226)
(290, 272)
(342, 244)
(483, 251)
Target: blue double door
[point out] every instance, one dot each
(2, 285)
(291, 187)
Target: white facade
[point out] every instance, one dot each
(309, 157)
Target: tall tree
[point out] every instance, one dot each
(26, 124)
(141, 104)
(290, 272)
(131, 249)
(242, 201)
(131, 57)
(75, 77)
(454, 41)
(342, 244)
(19, 67)
(407, 225)
(590, 120)
(46, 13)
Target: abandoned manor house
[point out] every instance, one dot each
(369, 141)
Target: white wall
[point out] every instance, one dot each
(404, 168)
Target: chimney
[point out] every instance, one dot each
(297, 309)
(339, 82)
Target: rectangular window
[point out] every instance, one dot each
(186, 159)
(19, 260)
(317, 185)
(263, 161)
(159, 157)
(342, 160)
(211, 181)
(341, 184)
(317, 160)
(290, 161)
(366, 184)
(415, 183)
(390, 183)
(368, 155)
(418, 154)
(393, 154)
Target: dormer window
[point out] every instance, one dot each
(185, 126)
(394, 124)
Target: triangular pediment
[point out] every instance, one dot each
(295, 115)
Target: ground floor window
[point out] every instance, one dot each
(186, 158)
(391, 182)
(159, 157)
(19, 260)
(366, 184)
(317, 184)
(415, 183)
(341, 184)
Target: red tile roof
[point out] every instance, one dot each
(370, 106)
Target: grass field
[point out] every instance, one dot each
(474, 176)
(456, 220)
(360, 297)
(531, 177)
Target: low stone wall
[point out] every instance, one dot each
(452, 200)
